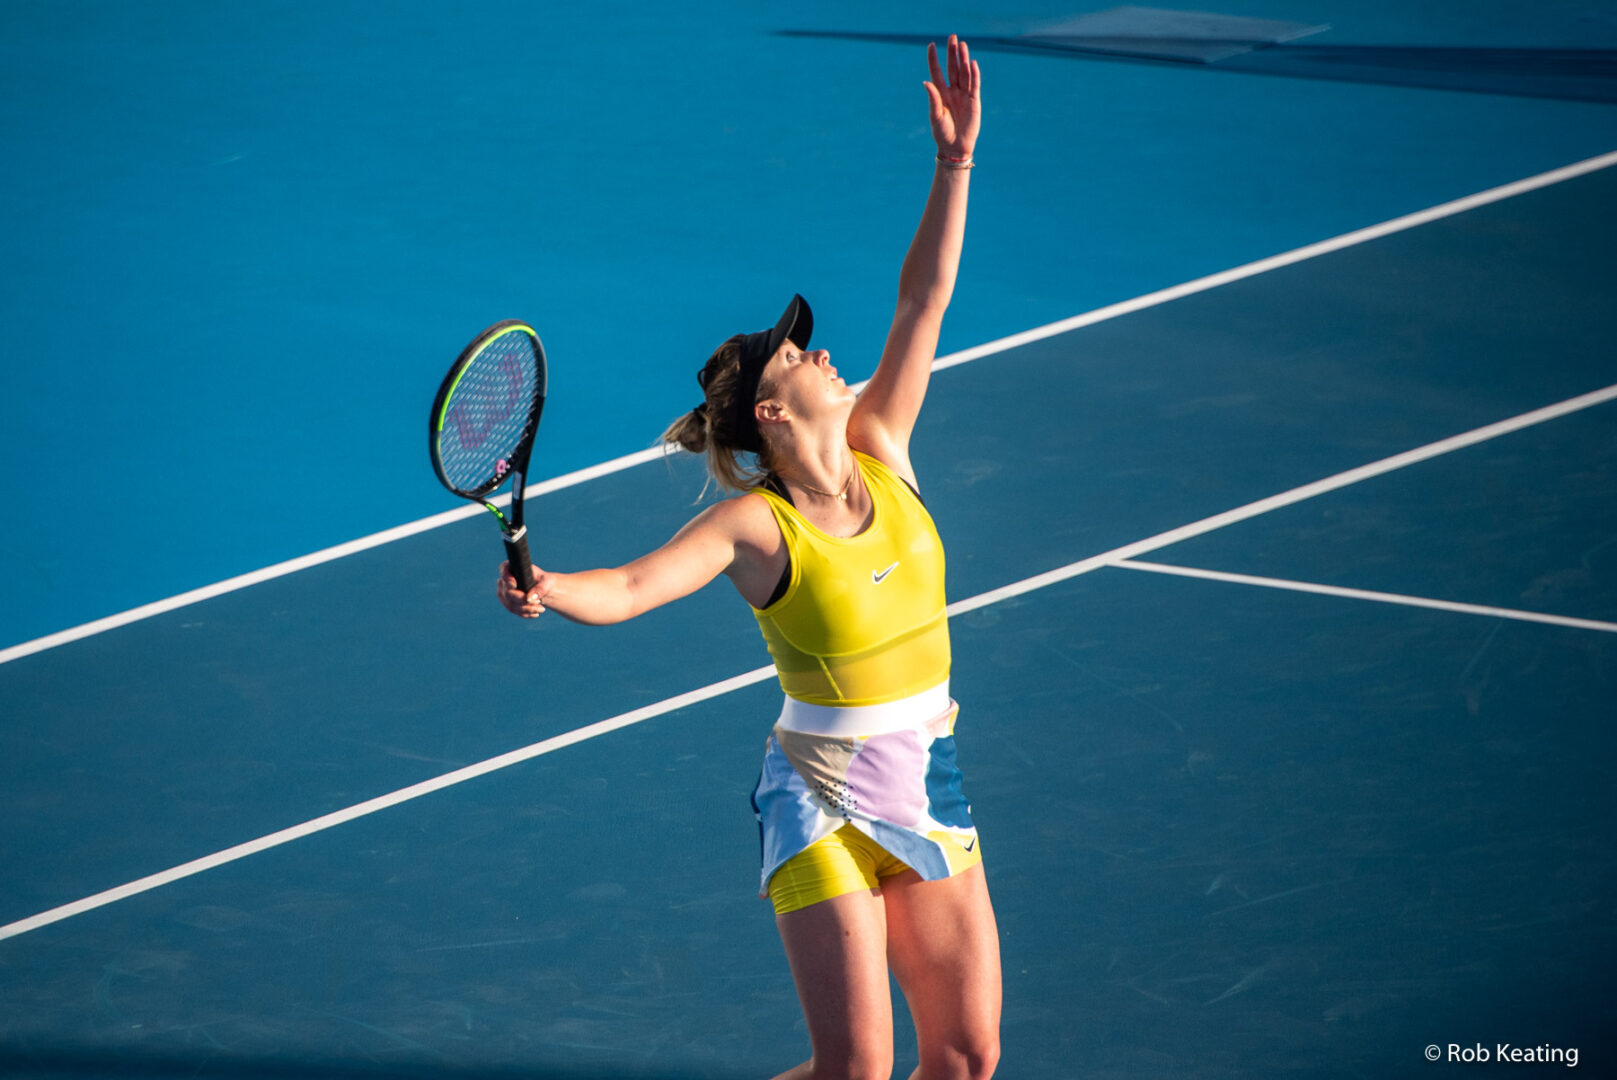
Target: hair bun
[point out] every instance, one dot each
(690, 432)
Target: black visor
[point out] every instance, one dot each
(796, 324)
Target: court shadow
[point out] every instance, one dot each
(1563, 74)
(87, 1063)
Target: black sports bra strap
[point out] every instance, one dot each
(778, 486)
(774, 484)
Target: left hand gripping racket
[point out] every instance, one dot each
(483, 423)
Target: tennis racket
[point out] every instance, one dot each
(482, 426)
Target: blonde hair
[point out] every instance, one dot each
(702, 430)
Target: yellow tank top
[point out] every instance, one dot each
(862, 620)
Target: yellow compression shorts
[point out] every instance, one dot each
(844, 862)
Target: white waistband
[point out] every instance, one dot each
(910, 712)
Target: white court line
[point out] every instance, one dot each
(1295, 495)
(1296, 255)
(382, 802)
(1365, 594)
(977, 352)
(601, 727)
(315, 558)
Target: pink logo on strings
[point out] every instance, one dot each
(473, 430)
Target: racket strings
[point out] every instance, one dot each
(487, 412)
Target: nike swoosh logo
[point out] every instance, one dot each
(971, 846)
(879, 576)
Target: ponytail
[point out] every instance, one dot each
(697, 433)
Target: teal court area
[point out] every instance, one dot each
(1284, 606)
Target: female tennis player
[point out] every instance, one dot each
(870, 855)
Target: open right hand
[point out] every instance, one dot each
(530, 604)
(956, 104)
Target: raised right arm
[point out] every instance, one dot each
(737, 537)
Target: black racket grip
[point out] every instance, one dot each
(516, 553)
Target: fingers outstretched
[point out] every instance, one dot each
(954, 94)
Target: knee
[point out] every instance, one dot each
(979, 1061)
(986, 1060)
(972, 1058)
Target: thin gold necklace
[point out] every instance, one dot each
(843, 494)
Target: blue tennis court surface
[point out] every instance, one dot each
(1286, 609)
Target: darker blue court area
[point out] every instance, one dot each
(1230, 831)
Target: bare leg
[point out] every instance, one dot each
(943, 944)
(837, 949)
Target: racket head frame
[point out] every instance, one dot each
(518, 457)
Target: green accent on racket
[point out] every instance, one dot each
(483, 422)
